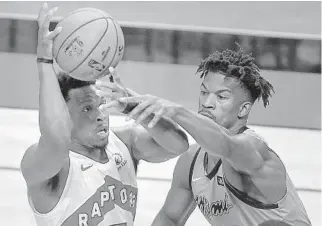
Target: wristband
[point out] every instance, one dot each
(44, 60)
(129, 107)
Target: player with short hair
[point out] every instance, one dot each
(82, 172)
(231, 173)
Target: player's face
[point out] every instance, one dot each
(221, 98)
(90, 124)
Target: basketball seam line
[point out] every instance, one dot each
(93, 47)
(117, 43)
(77, 30)
(82, 10)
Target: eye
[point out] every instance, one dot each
(203, 92)
(222, 97)
(87, 109)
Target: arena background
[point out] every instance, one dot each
(164, 43)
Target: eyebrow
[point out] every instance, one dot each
(218, 91)
(224, 90)
(86, 99)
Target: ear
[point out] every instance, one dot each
(244, 109)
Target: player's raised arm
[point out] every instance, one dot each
(179, 203)
(44, 160)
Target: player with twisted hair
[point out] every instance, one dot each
(231, 173)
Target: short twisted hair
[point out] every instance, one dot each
(242, 67)
(66, 83)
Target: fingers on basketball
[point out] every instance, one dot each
(54, 33)
(44, 18)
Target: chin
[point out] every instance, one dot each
(101, 144)
(102, 141)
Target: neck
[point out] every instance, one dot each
(95, 153)
(236, 128)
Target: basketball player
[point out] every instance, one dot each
(81, 172)
(231, 173)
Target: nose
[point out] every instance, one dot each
(209, 104)
(100, 116)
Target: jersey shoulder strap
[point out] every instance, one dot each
(192, 166)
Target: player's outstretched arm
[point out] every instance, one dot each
(164, 141)
(179, 203)
(159, 143)
(244, 152)
(44, 160)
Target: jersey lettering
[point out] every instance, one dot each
(217, 208)
(111, 193)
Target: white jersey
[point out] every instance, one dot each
(224, 205)
(95, 193)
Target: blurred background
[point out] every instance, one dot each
(164, 43)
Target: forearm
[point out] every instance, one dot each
(206, 133)
(54, 120)
(168, 135)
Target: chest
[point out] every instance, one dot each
(92, 175)
(210, 192)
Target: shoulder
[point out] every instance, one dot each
(251, 134)
(253, 139)
(126, 134)
(270, 158)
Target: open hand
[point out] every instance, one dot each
(45, 37)
(114, 90)
(150, 105)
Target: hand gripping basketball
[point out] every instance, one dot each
(45, 37)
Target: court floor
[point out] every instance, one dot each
(300, 151)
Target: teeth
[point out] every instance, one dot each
(101, 133)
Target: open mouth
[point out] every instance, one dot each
(102, 131)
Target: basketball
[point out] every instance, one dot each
(90, 42)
